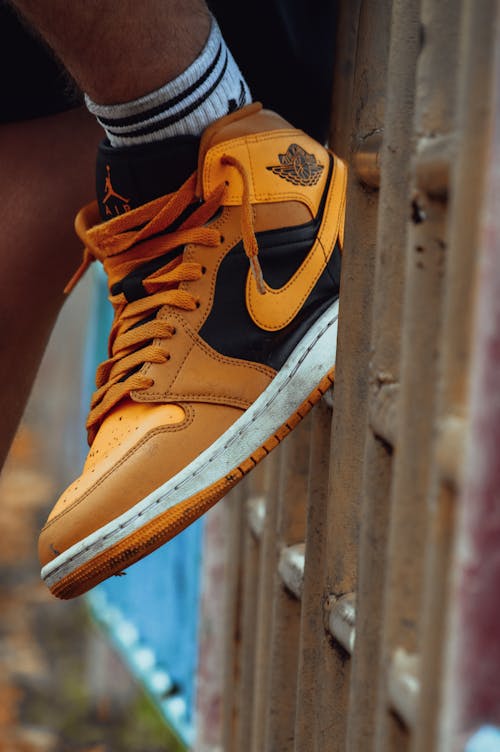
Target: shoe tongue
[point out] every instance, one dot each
(127, 177)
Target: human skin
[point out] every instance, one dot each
(44, 181)
(117, 52)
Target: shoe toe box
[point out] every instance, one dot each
(138, 449)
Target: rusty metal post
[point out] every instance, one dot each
(309, 690)
(253, 491)
(467, 173)
(346, 45)
(232, 660)
(298, 609)
(356, 73)
(369, 702)
(351, 388)
(285, 629)
(422, 318)
(472, 695)
(351, 385)
(269, 557)
(212, 645)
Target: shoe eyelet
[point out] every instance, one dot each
(198, 304)
(222, 239)
(174, 331)
(226, 182)
(203, 269)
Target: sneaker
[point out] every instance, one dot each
(226, 302)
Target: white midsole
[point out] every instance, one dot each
(311, 360)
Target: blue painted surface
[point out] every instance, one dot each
(487, 739)
(151, 613)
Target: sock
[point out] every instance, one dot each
(210, 88)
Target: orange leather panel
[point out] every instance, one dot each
(251, 119)
(279, 215)
(225, 381)
(265, 185)
(126, 424)
(98, 497)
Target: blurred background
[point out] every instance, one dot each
(113, 671)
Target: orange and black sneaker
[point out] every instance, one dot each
(225, 294)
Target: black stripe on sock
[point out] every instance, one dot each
(171, 119)
(140, 116)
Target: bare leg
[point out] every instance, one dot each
(119, 51)
(115, 52)
(47, 174)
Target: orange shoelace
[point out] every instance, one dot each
(122, 248)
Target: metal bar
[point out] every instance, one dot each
(232, 667)
(475, 98)
(395, 513)
(269, 555)
(212, 646)
(351, 386)
(346, 45)
(309, 717)
(253, 486)
(382, 373)
(472, 696)
(371, 726)
(285, 631)
(403, 674)
(401, 384)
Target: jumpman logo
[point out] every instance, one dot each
(120, 205)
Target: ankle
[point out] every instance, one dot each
(209, 88)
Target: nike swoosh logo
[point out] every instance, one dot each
(278, 307)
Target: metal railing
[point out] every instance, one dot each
(340, 603)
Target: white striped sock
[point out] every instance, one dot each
(211, 87)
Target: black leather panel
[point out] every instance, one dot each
(229, 328)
